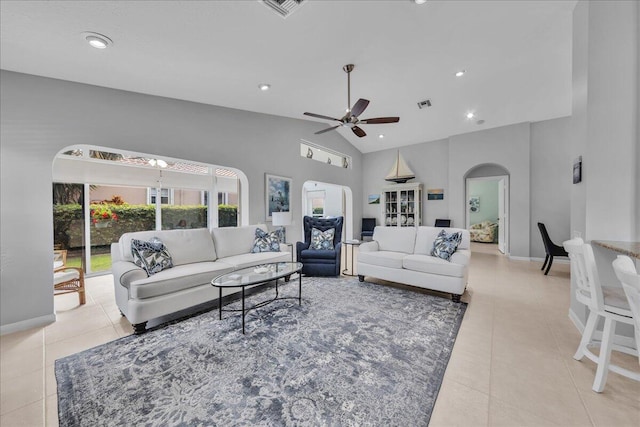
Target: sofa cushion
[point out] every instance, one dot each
(265, 241)
(177, 278)
(248, 260)
(426, 235)
(395, 239)
(231, 241)
(433, 265)
(152, 256)
(446, 244)
(322, 240)
(317, 254)
(382, 258)
(185, 246)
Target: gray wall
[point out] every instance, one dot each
(507, 146)
(41, 116)
(536, 156)
(551, 181)
(429, 161)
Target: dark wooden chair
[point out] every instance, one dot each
(368, 225)
(550, 248)
(443, 223)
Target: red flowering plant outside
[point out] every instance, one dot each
(100, 213)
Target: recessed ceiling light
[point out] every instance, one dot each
(470, 115)
(419, 1)
(381, 136)
(99, 41)
(264, 86)
(460, 73)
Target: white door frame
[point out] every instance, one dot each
(506, 204)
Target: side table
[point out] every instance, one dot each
(352, 244)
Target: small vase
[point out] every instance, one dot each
(102, 224)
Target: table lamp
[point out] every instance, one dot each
(281, 219)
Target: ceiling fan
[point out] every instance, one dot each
(350, 119)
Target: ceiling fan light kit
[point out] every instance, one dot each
(350, 119)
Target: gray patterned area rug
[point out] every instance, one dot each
(352, 354)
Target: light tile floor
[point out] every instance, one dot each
(511, 365)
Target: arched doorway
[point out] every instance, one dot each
(325, 200)
(487, 199)
(115, 191)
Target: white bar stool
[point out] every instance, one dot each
(630, 279)
(608, 302)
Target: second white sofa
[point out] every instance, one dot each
(198, 256)
(403, 255)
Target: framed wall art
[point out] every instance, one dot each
(474, 204)
(277, 194)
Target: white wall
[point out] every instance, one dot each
(605, 127)
(41, 116)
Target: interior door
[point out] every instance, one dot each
(501, 215)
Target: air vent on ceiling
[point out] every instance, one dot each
(424, 104)
(284, 8)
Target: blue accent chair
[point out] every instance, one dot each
(320, 262)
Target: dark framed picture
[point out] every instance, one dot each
(277, 194)
(577, 170)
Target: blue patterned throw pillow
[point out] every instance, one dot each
(446, 244)
(322, 240)
(266, 242)
(152, 256)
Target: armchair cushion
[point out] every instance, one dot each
(322, 240)
(318, 254)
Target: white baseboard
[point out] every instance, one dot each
(555, 260)
(532, 259)
(617, 339)
(27, 324)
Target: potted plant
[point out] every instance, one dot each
(102, 215)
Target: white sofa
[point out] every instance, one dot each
(198, 256)
(402, 255)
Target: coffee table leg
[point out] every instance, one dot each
(220, 302)
(243, 310)
(300, 289)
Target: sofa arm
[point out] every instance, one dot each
(125, 272)
(369, 246)
(461, 256)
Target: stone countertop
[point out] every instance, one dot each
(631, 249)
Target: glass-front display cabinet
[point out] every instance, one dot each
(402, 205)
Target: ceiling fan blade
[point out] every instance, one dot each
(327, 129)
(320, 116)
(359, 132)
(380, 120)
(359, 107)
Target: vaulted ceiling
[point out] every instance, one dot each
(517, 57)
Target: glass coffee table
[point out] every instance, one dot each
(258, 275)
